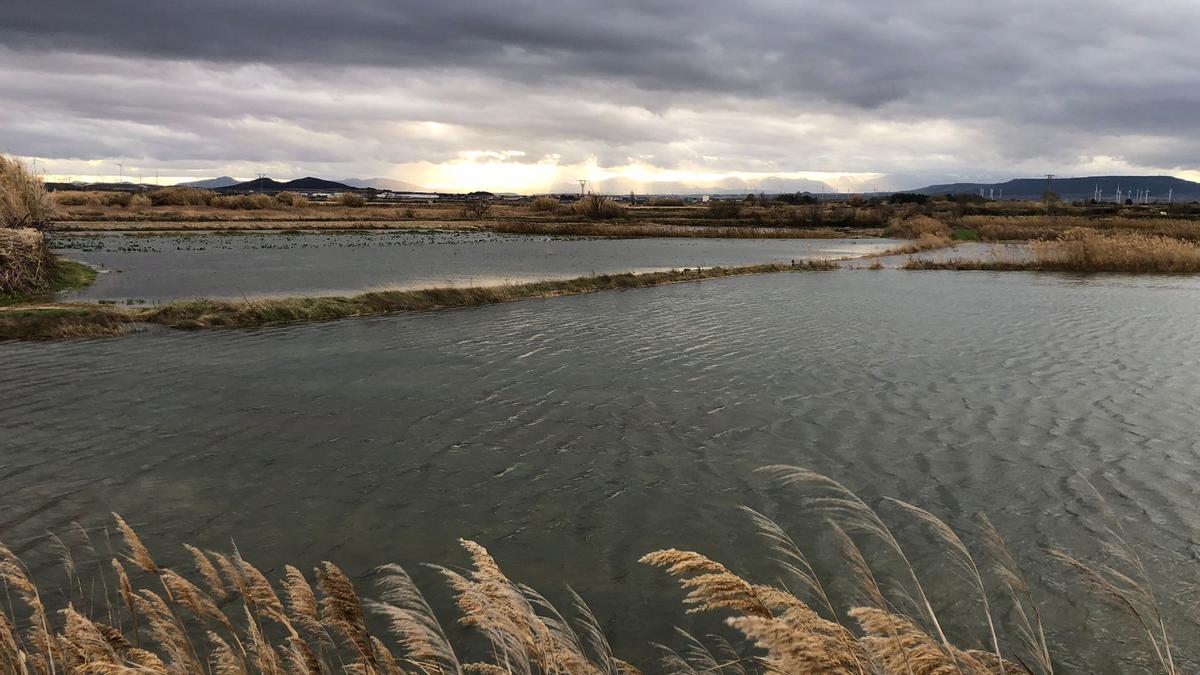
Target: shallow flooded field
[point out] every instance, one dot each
(163, 267)
(572, 435)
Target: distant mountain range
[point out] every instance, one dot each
(771, 184)
(210, 183)
(307, 183)
(1159, 188)
(384, 184)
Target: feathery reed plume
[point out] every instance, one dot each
(412, 621)
(260, 595)
(167, 630)
(853, 513)
(222, 659)
(1130, 591)
(137, 551)
(962, 557)
(302, 606)
(125, 589)
(1029, 619)
(916, 651)
(208, 571)
(796, 638)
(341, 612)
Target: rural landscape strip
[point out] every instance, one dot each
(45, 322)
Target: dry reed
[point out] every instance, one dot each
(232, 619)
(24, 202)
(1088, 250)
(26, 265)
(916, 226)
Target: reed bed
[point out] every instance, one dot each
(221, 614)
(1087, 250)
(917, 226)
(24, 202)
(1025, 228)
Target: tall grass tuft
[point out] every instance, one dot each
(912, 227)
(597, 207)
(545, 205)
(26, 265)
(182, 196)
(24, 202)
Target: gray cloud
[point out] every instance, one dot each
(767, 86)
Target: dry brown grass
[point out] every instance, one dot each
(153, 620)
(26, 265)
(597, 207)
(24, 201)
(925, 242)
(222, 614)
(1024, 228)
(913, 227)
(1088, 250)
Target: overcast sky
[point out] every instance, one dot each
(531, 94)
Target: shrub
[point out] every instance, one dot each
(351, 199)
(597, 207)
(545, 205)
(723, 209)
(139, 201)
(290, 199)
(245, 202)
(78, 198)
(908, 198)
(477, 208)
(121, 199)
(181, 196)
(24, 201)
(913, 227)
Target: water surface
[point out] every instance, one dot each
(572, 435)
(163, 267)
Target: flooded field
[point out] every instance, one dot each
(154, 268)
(572, 435)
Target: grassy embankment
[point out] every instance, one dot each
(220, 613)
(87, 320)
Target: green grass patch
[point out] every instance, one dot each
(965, 234)
(68, 276)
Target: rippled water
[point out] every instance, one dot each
(572, 435)
(153, 268)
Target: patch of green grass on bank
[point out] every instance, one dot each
(69, 276)
(965, 234)
(65, 321)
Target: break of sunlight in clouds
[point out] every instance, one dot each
(530, 95)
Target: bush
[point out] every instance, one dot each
(245, 202)
(722, 209)
(24, 201)
(78, 198)
(477, 208)
(181, 196)
(290, 199)
(351, 199)
(913, 227)
(121, 199)
(139, 201)
(545, 205)
(908, 198)
(597, 207)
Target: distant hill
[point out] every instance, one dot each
(271, 185)
(770, 184)
(384, 184)
(1072, 189)
(210, 183)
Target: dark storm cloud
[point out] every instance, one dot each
(1063, 81)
